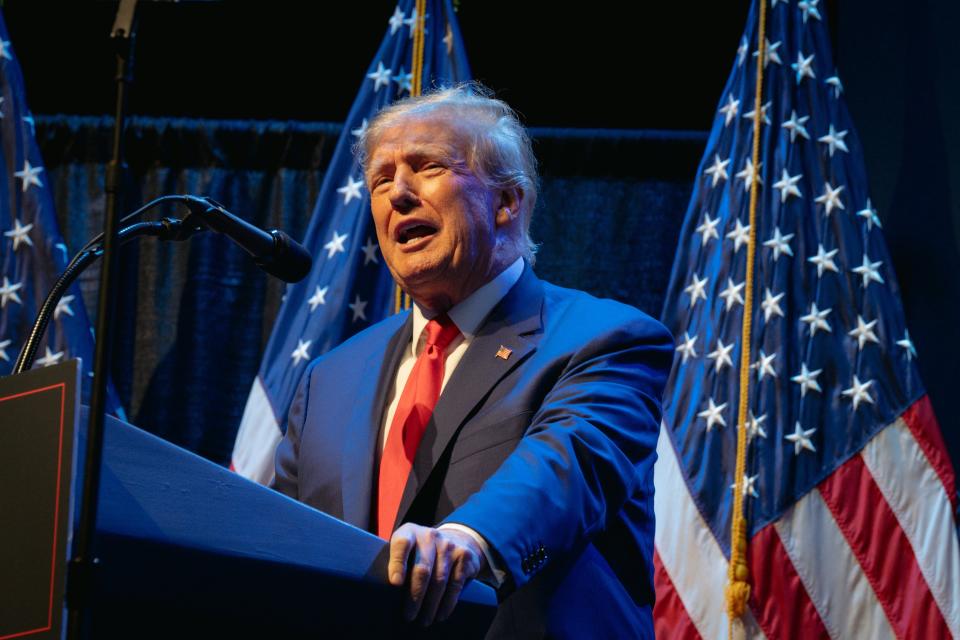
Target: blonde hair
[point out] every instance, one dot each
(498, 150)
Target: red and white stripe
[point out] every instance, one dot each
(257, 438)
(688, 559)
(871, 552)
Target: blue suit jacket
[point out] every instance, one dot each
(548, 454)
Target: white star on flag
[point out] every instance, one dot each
(19, 234)
(817, 319)
(380, 77)
(788, 186)
(771, 305)
(5, 49)
(834, 81)
(801, 439)
(740, 235)
(809, 8)
(370, 252)
(907, 344)
(868, 271)
(749, 115)
(858, 392)
(803, 67)
(318, 298)
(731, 295)
(748, 488)
(830, 198)
(795, 126)
(350, 190)
(686, 347)
(9, 292)
(708, 228)
(712, 414)
(742, 51)
(754, 427)
(834, 140)
(807, 379)
(729, 110)
(336, 244)
(396, 20)
(29, 175)
(779, 243)
(412, 22)
(769, 53)
(722, 355)
(863, 332)
(718, 170)
(824, 260)
(301, 352)
(448, 39)
(3, 349)
(63, 306)
(359, 131)
(49, 358)
(748, 174)
(764, 365)
(359, 309)
(870, 214)
(404, 80)
(696, 289)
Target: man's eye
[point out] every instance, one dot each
(428, 166)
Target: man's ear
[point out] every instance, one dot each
(508, 208)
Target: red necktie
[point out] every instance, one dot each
(414, 410)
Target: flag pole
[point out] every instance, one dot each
(738, 572)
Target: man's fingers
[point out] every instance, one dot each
(401, 542)
(465, 567)
(437, 585)
(422, 570)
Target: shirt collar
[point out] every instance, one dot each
(474, 309)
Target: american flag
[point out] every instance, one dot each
(848, 491)
(32, 251)
(349, 287)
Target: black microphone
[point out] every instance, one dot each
(273, 251)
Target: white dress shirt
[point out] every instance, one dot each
(469, 316)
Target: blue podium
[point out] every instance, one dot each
(187, 548)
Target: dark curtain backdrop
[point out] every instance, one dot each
(194, 317)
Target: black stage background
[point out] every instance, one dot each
(239, 101)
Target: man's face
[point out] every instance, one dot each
(436, 221)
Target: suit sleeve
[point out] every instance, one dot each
(288, 451)
(592, 440)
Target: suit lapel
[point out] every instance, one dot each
(360, 446)
(513, 324)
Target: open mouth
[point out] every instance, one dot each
(415, 232)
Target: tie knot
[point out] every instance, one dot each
(441, 331)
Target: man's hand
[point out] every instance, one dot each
(444, 561)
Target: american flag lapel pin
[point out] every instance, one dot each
(503, 353)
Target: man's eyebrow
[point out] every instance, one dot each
(416, 152)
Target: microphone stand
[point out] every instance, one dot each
(82, 565)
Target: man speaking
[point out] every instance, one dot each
(504, 429)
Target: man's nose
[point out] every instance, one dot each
(403, 192)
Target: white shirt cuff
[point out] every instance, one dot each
(495, 575)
